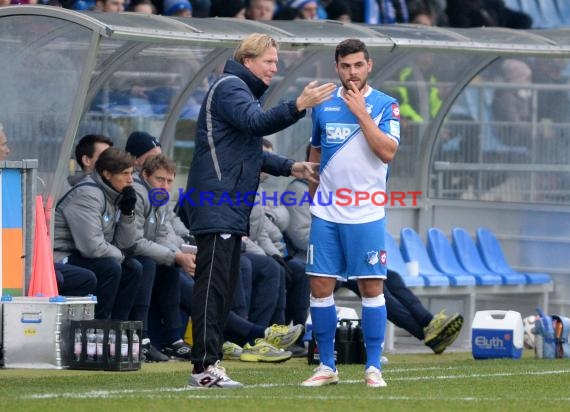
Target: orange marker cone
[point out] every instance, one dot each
(43, 281)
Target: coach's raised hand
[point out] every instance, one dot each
(313, 94)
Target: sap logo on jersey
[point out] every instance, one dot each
(338, 132)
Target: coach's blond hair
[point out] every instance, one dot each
(253, 46)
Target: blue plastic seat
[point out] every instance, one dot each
(397, 264)
(469, 258)
(493, 256)
(441, 253)
(413, 248)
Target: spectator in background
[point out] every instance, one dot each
(95, 229)
(553, 107)
(228, 8)
(261, 9)
(427, 12)
(201, 8)
(513, 105)
(421, 14)
(142, 6)
(177, 8)
(337, 10)
(485, 13)
(306, 9)
(110, 6)
(379, 11)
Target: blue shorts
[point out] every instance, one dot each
(346, 251)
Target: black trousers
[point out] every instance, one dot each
(217, 271)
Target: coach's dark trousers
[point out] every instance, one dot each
(217, 271)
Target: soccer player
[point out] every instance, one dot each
(355, 136)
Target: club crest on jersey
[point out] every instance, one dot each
(338, 132)
(369, 107)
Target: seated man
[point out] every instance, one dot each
(94, 228)
(159, 257)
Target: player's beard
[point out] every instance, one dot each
(360, 84)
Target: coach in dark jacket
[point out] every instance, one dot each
(227, 161)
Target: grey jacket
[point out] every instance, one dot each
(152, 230)
(264, 233)
(299, 218)
(87, 220)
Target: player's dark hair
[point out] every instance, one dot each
(350, 46)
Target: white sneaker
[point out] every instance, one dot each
(373, 378)
(323, 375)
(213, 377)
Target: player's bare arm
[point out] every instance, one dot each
(382, 146)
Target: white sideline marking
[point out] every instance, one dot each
(239, 393)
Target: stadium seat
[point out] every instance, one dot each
(444, 259)
(413, 248)
(396, 263)
(493, 256)
(469, 258)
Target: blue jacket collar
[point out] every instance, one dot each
(255, 84)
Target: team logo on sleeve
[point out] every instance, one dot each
(395, 110)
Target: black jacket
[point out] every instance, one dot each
(228, 156)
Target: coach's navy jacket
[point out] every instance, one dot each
(228, 156)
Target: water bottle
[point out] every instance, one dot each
(112, 342)
(99, 343)
(124, 345)
(77, 347)
(136, 346)
(91, 344)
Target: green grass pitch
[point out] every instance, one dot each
(416, 382)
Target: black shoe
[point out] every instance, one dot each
(298, 351)
(178, 350)
(151, 354)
